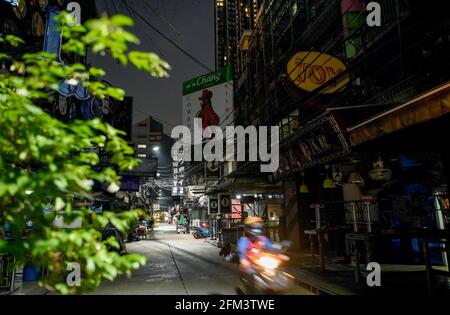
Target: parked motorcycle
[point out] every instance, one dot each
(132, 234)
(149, 223)
(142, 231)
(200, 232)
(264, 276)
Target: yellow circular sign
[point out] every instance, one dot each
(310, 70)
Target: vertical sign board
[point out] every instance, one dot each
(178, 173)
(209, 97)
(213, 206)
(224, 203)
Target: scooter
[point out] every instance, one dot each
(265, 277)
(200, 232)
(149, 224)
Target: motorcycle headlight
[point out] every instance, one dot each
(269, 262)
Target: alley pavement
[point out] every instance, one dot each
(177, 265)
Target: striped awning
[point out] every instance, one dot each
(430, 105)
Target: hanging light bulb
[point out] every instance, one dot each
(303, 188)
(328, 183)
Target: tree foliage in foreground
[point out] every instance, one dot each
(45, 163)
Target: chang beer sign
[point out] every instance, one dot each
(209, 97)
(221, 76)
(310, 70)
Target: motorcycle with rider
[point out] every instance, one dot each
(260, 261)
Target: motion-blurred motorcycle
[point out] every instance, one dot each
(263, 276)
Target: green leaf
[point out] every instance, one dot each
(57, 161)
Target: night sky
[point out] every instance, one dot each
(161, 98)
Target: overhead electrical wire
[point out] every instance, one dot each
(155, 12)
(154, 28)
(155, 118)
(326, 85)
(160, 53)
(321, 88)
(334, 42)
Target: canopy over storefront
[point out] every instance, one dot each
(244, 185)
(431, 105)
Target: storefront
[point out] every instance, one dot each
(248, 196)
(406, 158)
(380, 187)
(319, 142)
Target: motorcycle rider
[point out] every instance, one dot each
(254, 238)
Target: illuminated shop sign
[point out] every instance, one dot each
(317, 143)
(310, 70)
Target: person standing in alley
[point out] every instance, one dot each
(188, 222)
(181, 221)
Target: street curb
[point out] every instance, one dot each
(314, 287)
(214, 243)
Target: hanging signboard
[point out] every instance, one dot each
(178, 173)
(209, 97)
(310, 70)
(213, 206)
(319, 142)
(224, 203)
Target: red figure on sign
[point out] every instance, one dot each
(207, 114)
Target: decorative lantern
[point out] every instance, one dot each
(303, 188)
(328, 183)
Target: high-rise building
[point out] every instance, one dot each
(232, 19)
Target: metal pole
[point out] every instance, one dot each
(355, 225)
(321, 250)
(369, 217)
(428, 267)
(357, 263)
(318, 221)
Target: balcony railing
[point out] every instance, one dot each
(398, 93)
(393, 12)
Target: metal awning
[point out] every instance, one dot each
(244, 185)
(430, 105)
